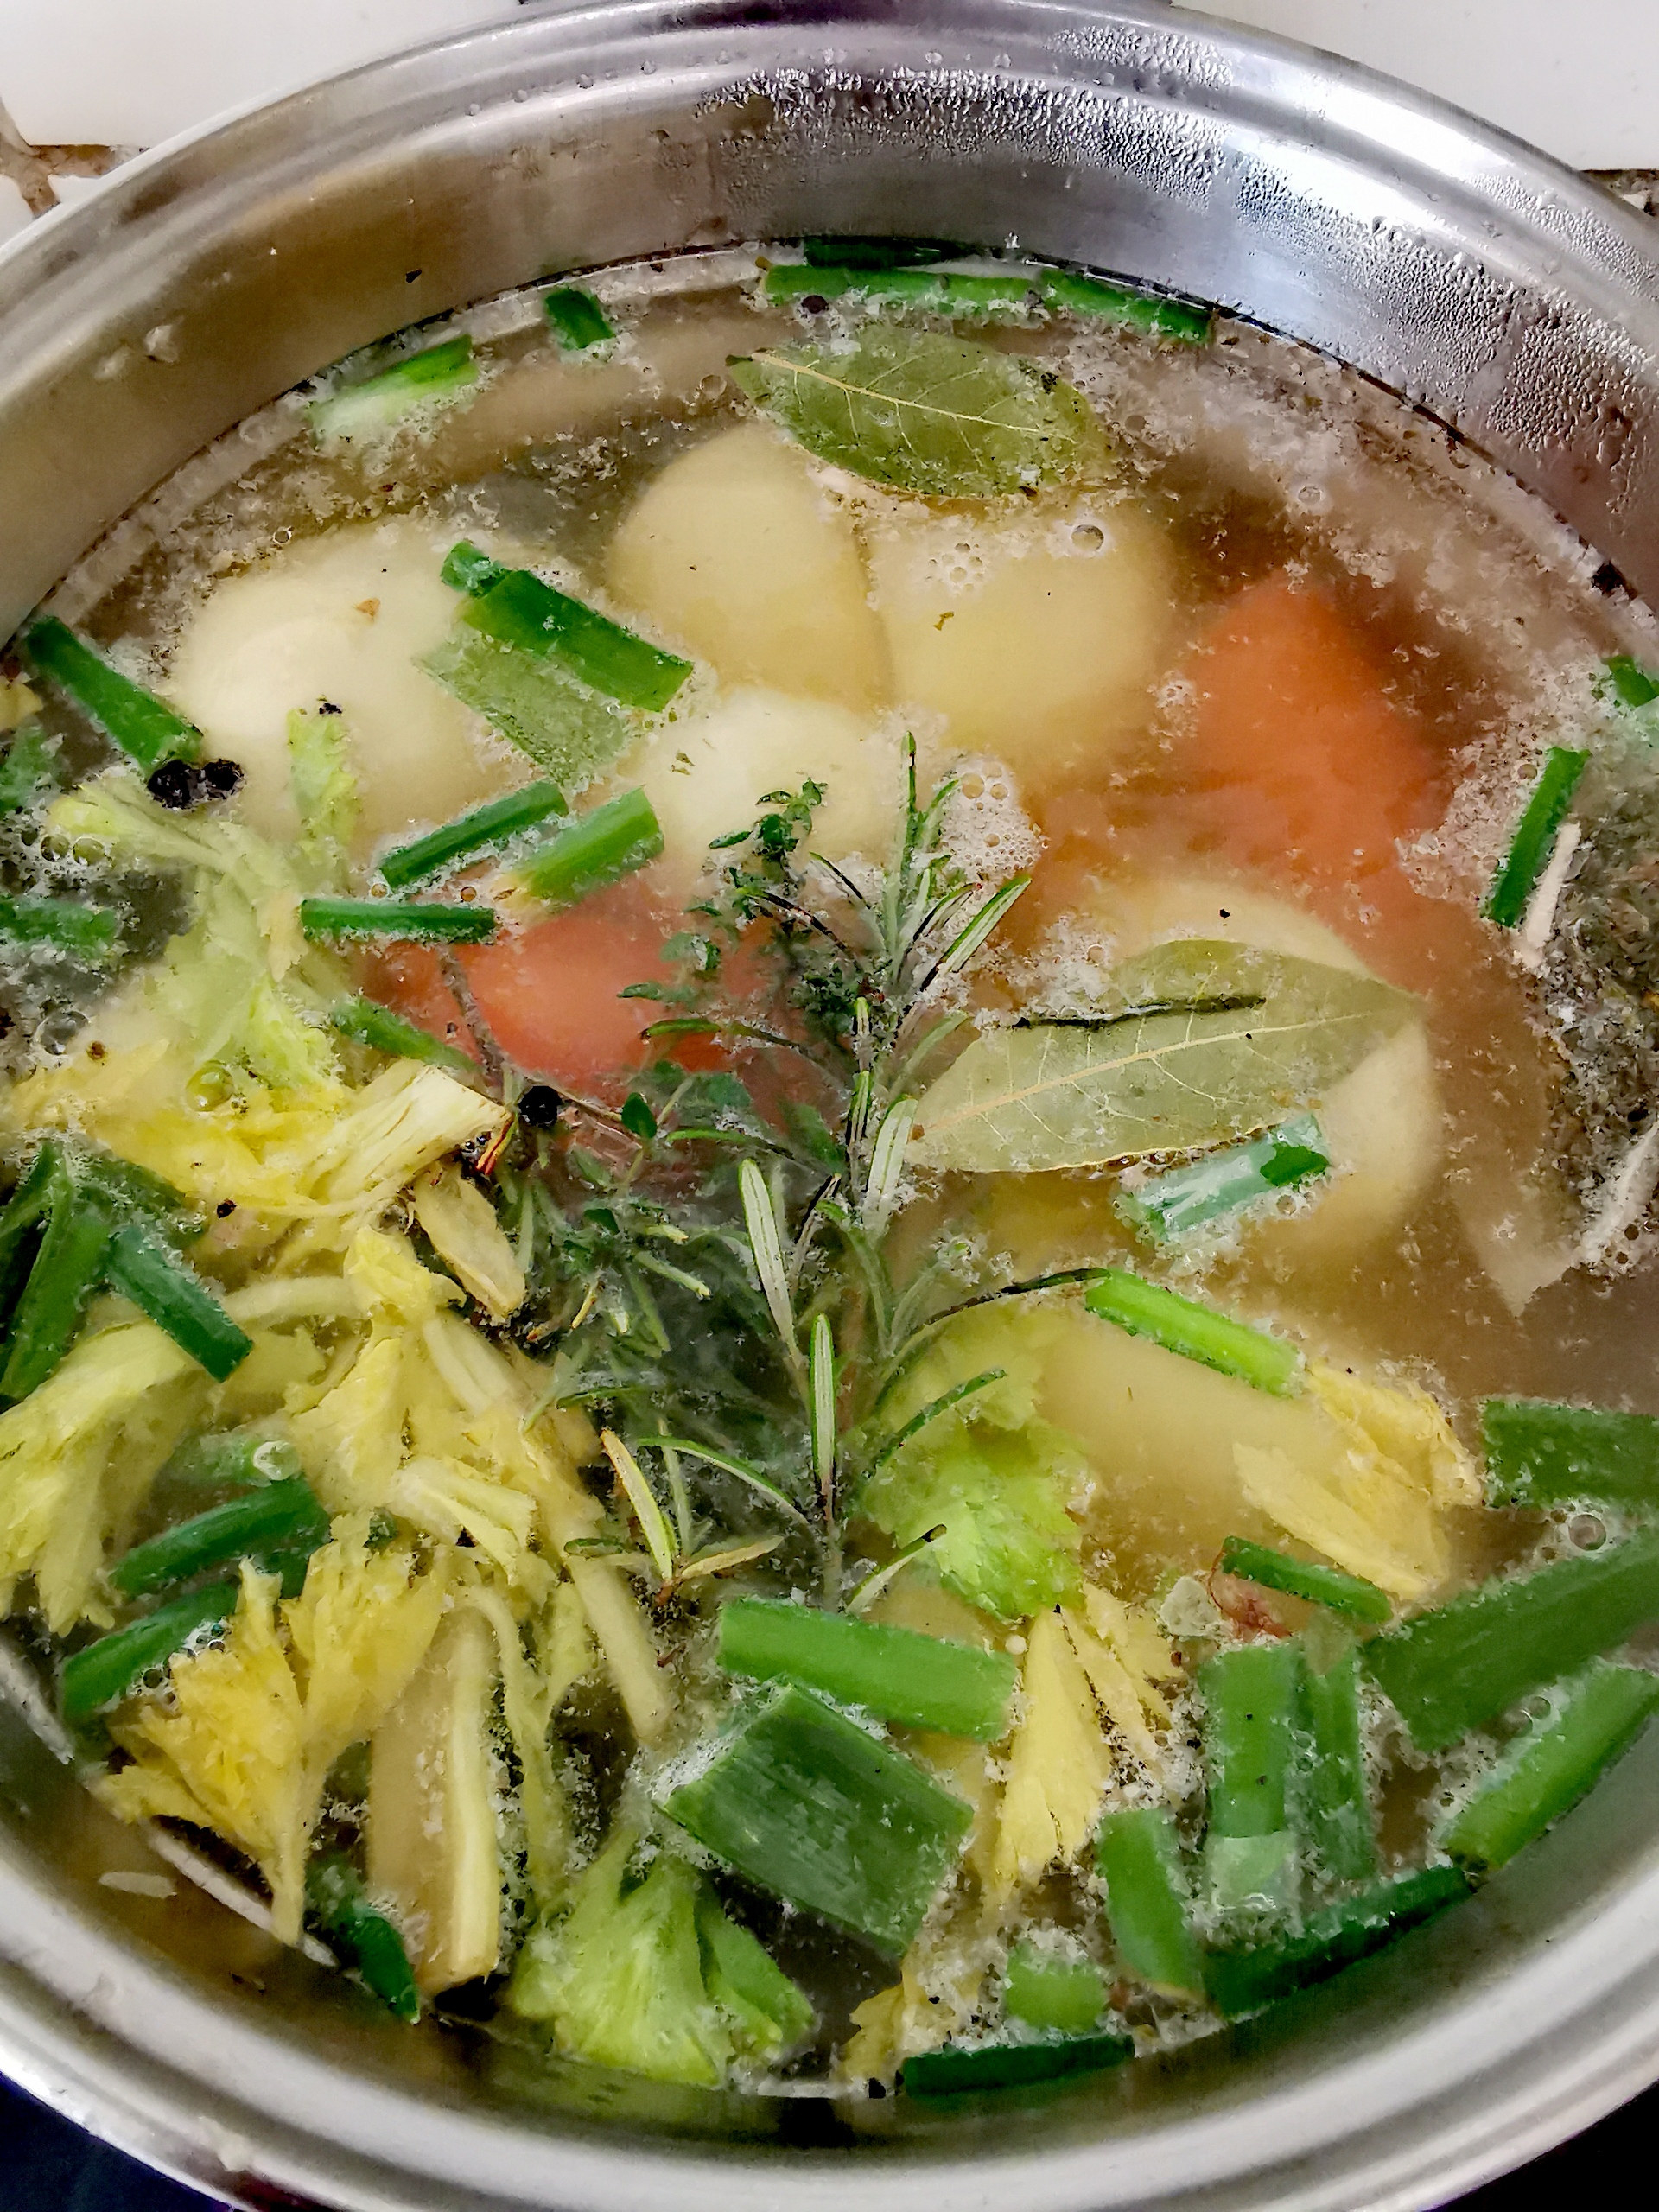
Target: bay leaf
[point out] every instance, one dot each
(1199, 1043)
(927, 413)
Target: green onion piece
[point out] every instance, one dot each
(33, 1197)
(1301, 1578)
(231, 1462)
(920, 1682)
(1530, 848)
(1060, 1996)
(29, 772)
(598, 848)
(468, 567)
(1542, 1454)
(1550, 1770)
(483, 830)
(67, 1269)
(140, 723)
(879, 253)
(935, 291)
(1630, 684)
(802, 1802)
(744, 1978)
(954, 2072)
(371, 409)
(278, 1518)
(1139, 1858)
(176, 1299)
(366, 1022)
(1336, 1797)
(1181, 1325)
(1173, 1204)
(570, 732)
(577, 319)
(519, 610)
(112, 1668)
(1450, 1670)
(1253, 1710)
(403, 919)
(1244, 1981)
(1153, 312)
(64, 923)
(367, 1939)
(134, 1193)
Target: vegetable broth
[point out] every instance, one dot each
(803, 961)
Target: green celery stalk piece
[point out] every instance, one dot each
(1059, 1996)
(1542, 1454)
(1629, 683)
(1155, 313)
(1242, 1981)
(1253, 1708)
(367, 1939)
(576, 319)
(404, 919)
(1172, 1205)
(957, 2071)
(176, 1299)
(29, 772)
(519, 610)
(572, 733)
(1550, 1770)
(1139, 1858)
(484, 830)
(65, 924)
(366, 1022)
(1451, 1669)
(1181, 1325)
(598, 848)
(747, 1982)
(376, 405)
(800, 1801)
(112, 1668)
(920, 1682)
(144, 727)
(278, 1517)
(1335, 1796)
(1301, 1578)
(1529, 848)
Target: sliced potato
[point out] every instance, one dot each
(1035, 638)
(343, 618)
(735, 550)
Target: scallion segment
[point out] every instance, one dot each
(800, 1801)
(598, 848)
(1335, 1794)
(1538, 1453)
(1172, 1205)
(1181, 1325)
(744, 1978)
(411, 919)
(1530, 848)
(577, 320)
(1155, 313)
(919, 1682)
(63, 924)
(29, 771)
(1138, 1855)
(367, 1939)
(1059, 1996)
(468, 567)
(366, 1022)
(68, 1267)
(1630, 684)
(1301, 1578)
(1242, 1981)
(940, 292)
(877, 253)
(519, 609)
(112, 1668)
(485, 829)
(1550, 1770)
(172, 1296)
(955, 2070)
(277, 1519)
(144, 727)
(1253, 1711)
(1453, 1669)
(378, 404)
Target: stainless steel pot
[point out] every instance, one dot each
(1497, 291)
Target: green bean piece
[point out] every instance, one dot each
(957, 2070)
(1242, 1981)
(29, 772)
(920, 1682)
(1253, 1708)
(64, 924)
(484, 830)
(144, 727)
(67, 1269)
(172, 1296)
(1549, 1770)
(1058, 1995)
(367, 1940)
(1301, 1578)
(598, 848)
(276, 1518)
(112, 1668)
(1172, 1205)
(375, 406)
(1155, 313)
(1181, 1325)
(1542, 1454)
(519, 609)
(1453, 1669)
(577, 320)
(1139, 1858)
(401, 919)
(1336, 1797)
(1535, 837)
(366, 1022)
